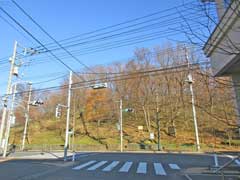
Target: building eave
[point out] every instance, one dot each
(225, 70)
(222, 28)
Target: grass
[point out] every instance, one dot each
(234, 142)
(106, 134)
(46, 138)
(85, 140)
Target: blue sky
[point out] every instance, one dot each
(63, 19)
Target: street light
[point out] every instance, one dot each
(190, 82)
(99, 86)
(93, 86)
(36, 103)
(121, 110)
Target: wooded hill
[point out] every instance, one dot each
(152, 79)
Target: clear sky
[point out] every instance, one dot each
(66, 18)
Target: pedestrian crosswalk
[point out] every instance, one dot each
(159, 169)
(174, 166)
(111, 166)
(95, 166)
(142, 168)
(124, 167)
(84, 165)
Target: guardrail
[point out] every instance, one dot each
(109, 147)
(116, 147)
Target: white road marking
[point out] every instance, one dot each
(237, 162)
(85, 155)
(174, 166)
(232, 157)
(126, 167)
(80, 155)
(142, 168)
(111, 166)
(188, 177)
(84, 165)
(101, 163)
(159, 170)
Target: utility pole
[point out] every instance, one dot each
(10, 117)
(27, 116)
(74, 122)
(158, 124)
(121, 126)
(68, 116)
(190, 82)
(4, 113)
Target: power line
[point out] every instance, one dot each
(109, 27)
(127, 76)
(45, 81)
(125, 42)
(105, 38)
(118, 35)
(127, 22)
(50, 36)
(152, 54)
(38, 41)
(136, 20)
(50, 80)
(219, 81)
(12, 26)
(164, 23)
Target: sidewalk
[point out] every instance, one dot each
(39, 155)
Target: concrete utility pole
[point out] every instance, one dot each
(190, 82)
(158, 124)
(27, 116)
(68, 116)
(10, 117)
(74, 123)
(4, 113)
(121, 126)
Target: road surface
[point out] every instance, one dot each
(112, 166)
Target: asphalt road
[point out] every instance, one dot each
(113, 166)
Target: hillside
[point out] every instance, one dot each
(149, 85)
(106, 136)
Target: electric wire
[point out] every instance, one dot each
(126, 22)
(50, 36)
(90, 33)
(166, 31)
(127, 76)
(38, 41)
(164, 23)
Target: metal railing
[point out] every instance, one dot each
(224, 166)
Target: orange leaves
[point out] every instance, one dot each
(98, 103)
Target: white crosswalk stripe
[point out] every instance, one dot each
(174, 166)
(84, 165)
(142, 168)
(126, 167)
(111, 166)
(237, 162)
(159, 170)
(101, 163)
